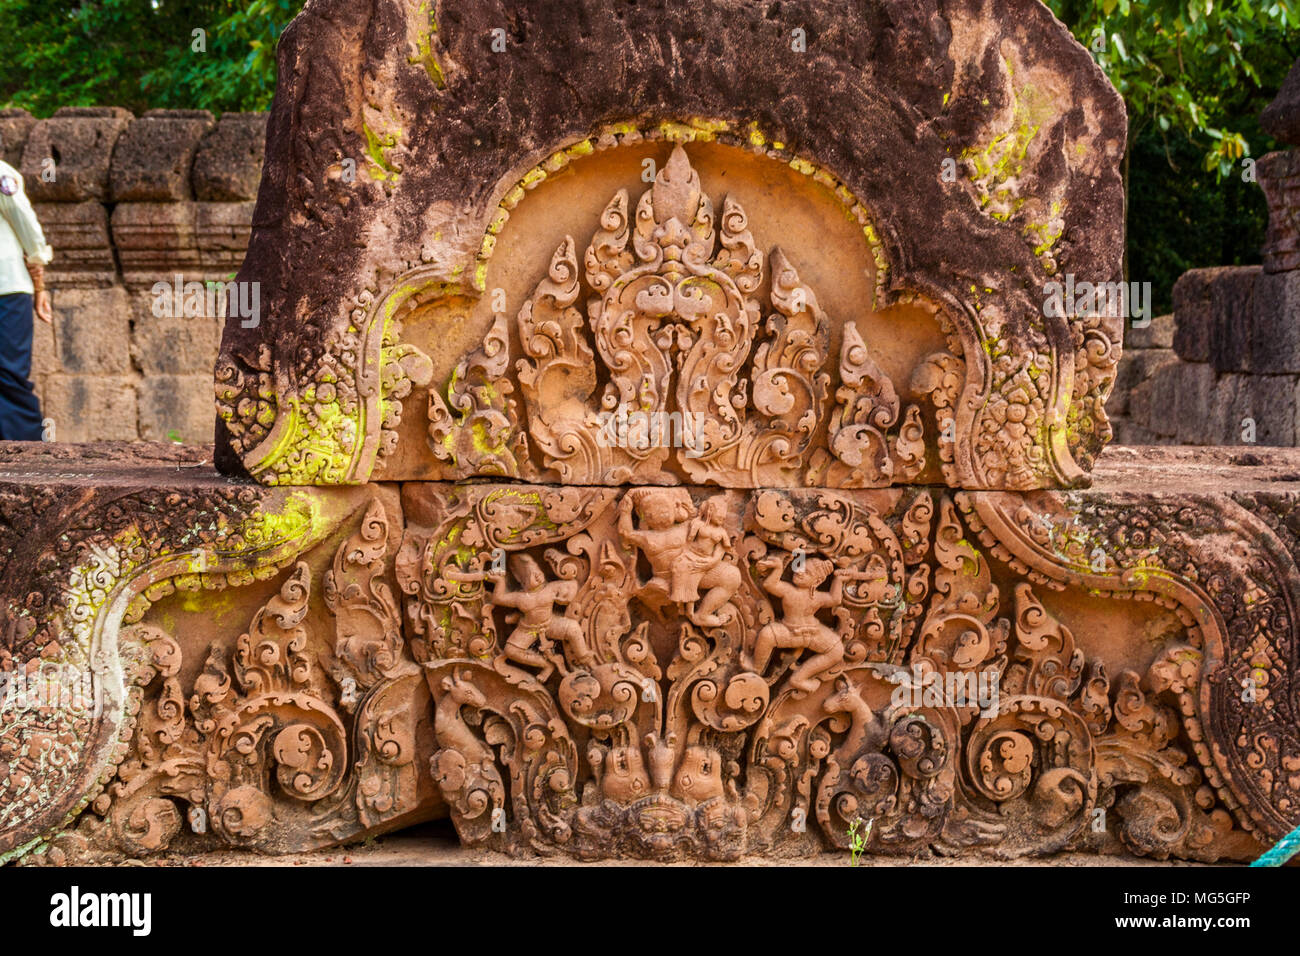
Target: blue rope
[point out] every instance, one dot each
(1282, 851)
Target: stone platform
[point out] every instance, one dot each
(665, 673)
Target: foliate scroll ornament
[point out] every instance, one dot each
(665, 673)
(378, 682)
(267, 718)
(1232, 599)
(262, 753)
(90, 568)
(253, 736)
(863, 454)
(331, 418)
(671, 374)
(473, 431)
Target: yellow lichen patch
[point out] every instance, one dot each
(692, 129)
(421, 29)
(378, 145)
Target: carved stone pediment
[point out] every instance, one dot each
(661, 359)
(971, 182)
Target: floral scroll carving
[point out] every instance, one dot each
(710, 675)
(287, 738)
(668, 371)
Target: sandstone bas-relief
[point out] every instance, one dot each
(205, 658)
(677, 351)
(658, 672)
(330, 389)
(759, 640)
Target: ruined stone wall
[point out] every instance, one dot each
(128, 202)
(1224, 369)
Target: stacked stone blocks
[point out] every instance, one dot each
(127, 203)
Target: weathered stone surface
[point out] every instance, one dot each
(15, 126)
(92, 329)
(413, 178)
(1208, 325)
(173, 344)
(1271, 402)
(1279, 177)
(228, 166)
(174, 408)
(1232, 332)
(78, 142)
(155, 242)
(45, 357)
(1281, 118)
(154, 156)
(1146, 399)
(91, 407)
(300, 655)
(700, 649)
(1134, 368)
(1158, 335)
(1194, 388)
(78, 232)
(221, 231)
(1128, 432)
(1275, 323)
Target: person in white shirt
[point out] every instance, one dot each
(23, 257)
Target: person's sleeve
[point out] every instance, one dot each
(18, 211)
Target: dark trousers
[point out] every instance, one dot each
(20, 412)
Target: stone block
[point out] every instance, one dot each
(1232, 291)
(45, 358)
(228, 166)
(1128, 432)
(154, 157)
(1212, 316)
(1192, 406)
(91, 407)
(171, 343)
(1271, 401)
(319, 582)
(222, 230)
(1275, 325)
(1193, 316)
(92, 330)
(176, 408)
(1153, 403)
(83, 249)
(366, 222)
(155, 242)
(79, 141)
(1158, 335)
(15, 126)
(1134, 368)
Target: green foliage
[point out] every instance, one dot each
(140, 54)
(1181, 217)
(858, 837)
(1199, 67)
(1195, 75)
